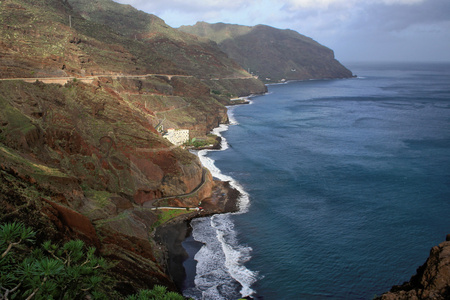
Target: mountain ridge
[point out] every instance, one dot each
(82, 158)
(272, 54)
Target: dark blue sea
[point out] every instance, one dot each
(345, 184)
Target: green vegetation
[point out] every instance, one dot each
(29, 270)
(197, 143)
(47, 271)
(16, 120)
(100, 197)
(165, 215)
(38, 169)
(211, 139)
(157, 293)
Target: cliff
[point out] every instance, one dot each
(188, 54)
(77, 161)
(80, 158)
(84, 86)
(272, 54)
(432, 280)
(52, 38)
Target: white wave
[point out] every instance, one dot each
(235, 255)
(223, 144)
(220, 261)
(213, 280)
(244, 200)
(231, 118)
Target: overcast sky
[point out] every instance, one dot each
(357, 30)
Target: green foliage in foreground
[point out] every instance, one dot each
(55, 272)
(157, 293)
(49, 271)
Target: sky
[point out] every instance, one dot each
(357, 30)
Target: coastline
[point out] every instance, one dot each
(172, 234)
(226, 198)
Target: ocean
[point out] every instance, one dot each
(345, 187)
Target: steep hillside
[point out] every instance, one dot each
(47, 38)
(50, 38)
(81, 158)
(272, 54)
(77, 161)
(202, 59)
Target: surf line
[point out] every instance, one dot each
(235, 255)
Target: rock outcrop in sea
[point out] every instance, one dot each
(432, 280)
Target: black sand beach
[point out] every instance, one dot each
(177, 231)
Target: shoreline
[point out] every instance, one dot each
(225, 198)
(172, 234)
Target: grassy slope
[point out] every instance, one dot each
(38, 41)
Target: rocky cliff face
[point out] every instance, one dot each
(186, 52)
(78, 161)
(272, 54)
(84, 160)
(432, 280)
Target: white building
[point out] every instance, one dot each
(177, 136)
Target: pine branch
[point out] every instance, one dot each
(37, 289)
(9, 248)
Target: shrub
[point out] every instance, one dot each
(157, 293)
(49, 271)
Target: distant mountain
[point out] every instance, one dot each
(272, 54)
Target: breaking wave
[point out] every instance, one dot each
(220, 272)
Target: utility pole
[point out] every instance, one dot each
(70, 21)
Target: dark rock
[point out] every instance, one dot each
(432, 280)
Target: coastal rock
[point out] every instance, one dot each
(432, 280)
(223, 198)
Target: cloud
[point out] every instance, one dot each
(343, 25)
(402, 17)
(187, 6)
(327, 4)
(372, 15)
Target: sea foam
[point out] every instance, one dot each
(221, 273)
